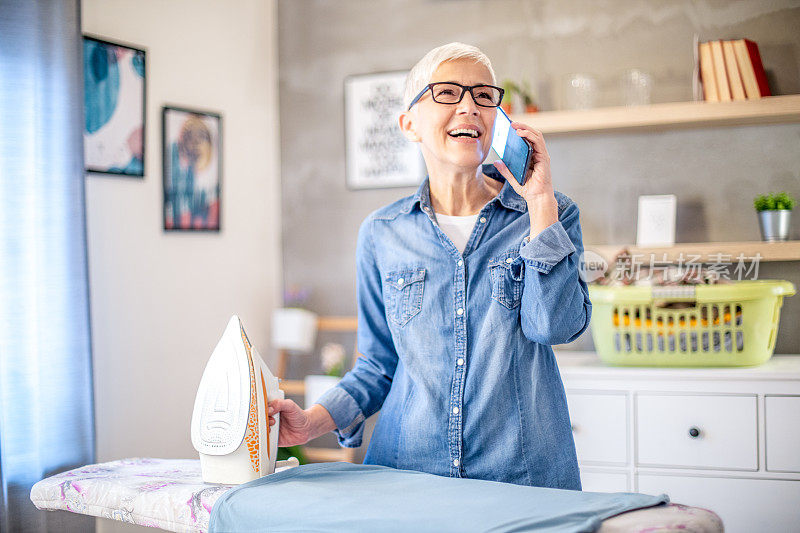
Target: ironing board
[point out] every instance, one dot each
(170, 494)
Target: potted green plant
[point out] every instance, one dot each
(518, 98)
(774, 212)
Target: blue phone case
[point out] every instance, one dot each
(513, 150)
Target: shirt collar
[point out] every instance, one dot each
(423, 195)
(509, 198)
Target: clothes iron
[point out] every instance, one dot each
(230, 423)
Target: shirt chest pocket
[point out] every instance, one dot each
(508, 275)
(403, 294)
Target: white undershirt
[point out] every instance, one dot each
(457, 228)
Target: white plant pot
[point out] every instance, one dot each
(316, 386)
(294, 329)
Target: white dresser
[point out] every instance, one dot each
(727, 439)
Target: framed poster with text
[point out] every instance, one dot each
(377, 153)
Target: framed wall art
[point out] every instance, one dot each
(114, 79)
(377, 154)
(192, 159)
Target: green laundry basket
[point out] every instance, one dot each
(694, 325)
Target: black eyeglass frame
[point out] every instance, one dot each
(464, 89)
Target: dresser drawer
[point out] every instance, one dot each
(703, 431)
(599, 481)
(744, 505)
(783, 433)
(599, 426)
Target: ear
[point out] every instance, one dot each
(407, 122)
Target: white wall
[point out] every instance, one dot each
(160, 301)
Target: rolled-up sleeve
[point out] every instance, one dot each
(555, 300)
(361, 392)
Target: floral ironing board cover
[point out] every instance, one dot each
(170, 494)
(163, 493)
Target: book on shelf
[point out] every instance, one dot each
(723, 89)
(748, 60)
(732, 68)
(707, 73)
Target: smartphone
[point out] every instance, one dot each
(515, 151)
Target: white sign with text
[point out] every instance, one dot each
(656, 220)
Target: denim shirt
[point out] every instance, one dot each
(456, 348)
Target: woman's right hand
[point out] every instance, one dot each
(299, 426)
(295, 422)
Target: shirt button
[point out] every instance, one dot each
(400, 281)
(509, 260)
(460, 262)
(483, 219)
(455, 410)
(460, 311)
(455, 462)
(460, 362)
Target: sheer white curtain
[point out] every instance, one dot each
(46, 411)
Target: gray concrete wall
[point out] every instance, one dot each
(715, 172)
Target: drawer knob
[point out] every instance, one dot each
(694, 432)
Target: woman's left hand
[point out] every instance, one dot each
(538, 188)
(538, 181)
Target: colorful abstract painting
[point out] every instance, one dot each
(114, 99)
(192, 169)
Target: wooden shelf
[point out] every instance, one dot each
(706, 251)
(768, 110)
(340, 324)
(293, 386)
(337, 323)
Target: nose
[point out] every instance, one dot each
(467, 105)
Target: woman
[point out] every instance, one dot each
(462, 289)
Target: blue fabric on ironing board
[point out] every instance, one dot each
(348, 497)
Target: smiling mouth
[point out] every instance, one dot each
(464, 132)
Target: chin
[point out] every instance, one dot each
(472, 161)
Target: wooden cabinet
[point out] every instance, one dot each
(727, 439)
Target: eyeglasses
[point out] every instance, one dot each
(447, 92)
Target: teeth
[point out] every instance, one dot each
(471, 133)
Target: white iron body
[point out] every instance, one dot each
(230, 424)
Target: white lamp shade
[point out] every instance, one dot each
(294, 329)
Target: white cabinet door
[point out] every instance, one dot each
(599, 426)
(707, 431)
(596, 481)
(783, 433)
(745, 505)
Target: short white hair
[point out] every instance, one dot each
(421, 74)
